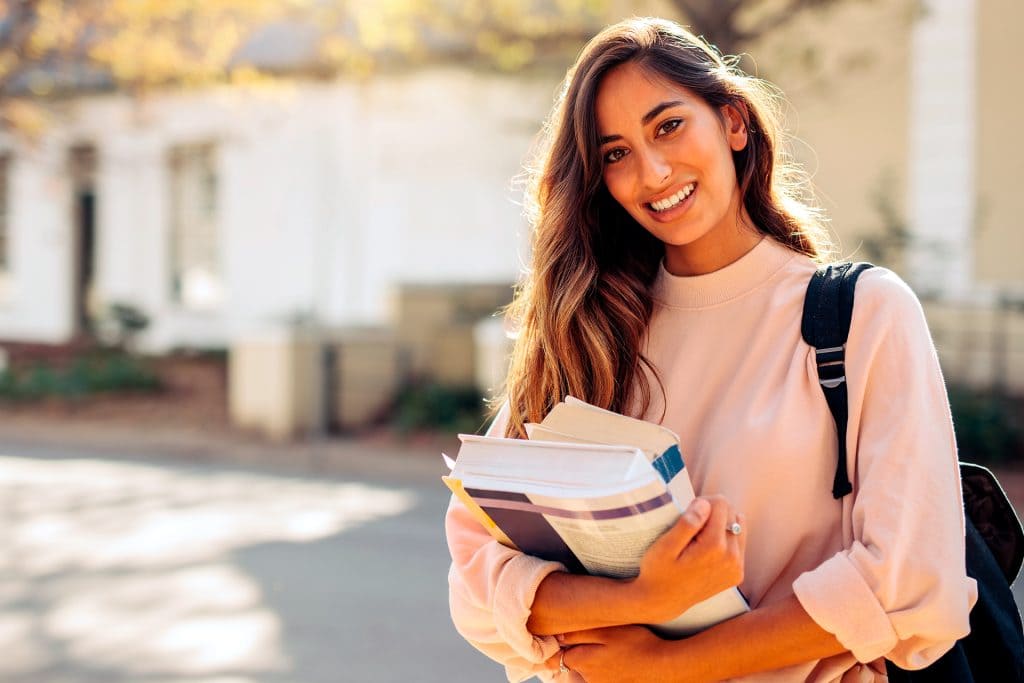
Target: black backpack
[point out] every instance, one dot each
(994, 649)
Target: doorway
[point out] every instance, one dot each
(82, 171)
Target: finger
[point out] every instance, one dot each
(735, 537)
(718, 519)
(689, 525)
(588, 636)
(735, 531)
(741, 538)
(696, 513)
(576, 658)
(736, 545)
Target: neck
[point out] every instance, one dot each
(714, 250)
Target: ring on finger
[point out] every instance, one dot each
(562, 668)
(735, 529)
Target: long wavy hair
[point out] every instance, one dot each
(583, 307)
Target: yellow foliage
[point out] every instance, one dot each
(27, 118)
(148, 43)
(248, 76)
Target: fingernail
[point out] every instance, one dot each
(560, 639)
(700, 508)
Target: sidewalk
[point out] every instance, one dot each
(130, 556)
(375, 455)
(378, 455)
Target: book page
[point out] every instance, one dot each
(609, 535)
(614, 548)
(573, 467)
(680, 485)
(576, 417)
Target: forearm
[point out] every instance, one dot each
(572, 602)
(565, 603)
(767, 638)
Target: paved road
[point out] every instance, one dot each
(156, 570)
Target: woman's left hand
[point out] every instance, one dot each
(619, 654)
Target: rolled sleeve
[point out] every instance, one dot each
(491, 590)
(837, 598)
(899, 589)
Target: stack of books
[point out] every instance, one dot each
(591, 489)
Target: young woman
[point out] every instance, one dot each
(672, 250)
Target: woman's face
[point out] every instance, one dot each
(668, 162)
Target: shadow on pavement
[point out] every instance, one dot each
(369, 604)
(119, 570)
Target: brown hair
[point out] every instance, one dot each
(584, 305)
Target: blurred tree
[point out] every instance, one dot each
(511, 34)
(732, 25)
(51, 47)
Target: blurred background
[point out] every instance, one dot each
(252, 260)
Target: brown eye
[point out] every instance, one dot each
(614, 155)
(669, 126)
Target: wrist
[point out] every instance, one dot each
(677, 656)
(575, 602)
(649, 604)
(640, 603)
(669, 661)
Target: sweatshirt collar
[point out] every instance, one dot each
(743, 275)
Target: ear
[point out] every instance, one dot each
(735, 128)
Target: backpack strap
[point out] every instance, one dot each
(828, 310)
(994, 539)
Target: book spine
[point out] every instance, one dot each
(527, 528)
(669, 464)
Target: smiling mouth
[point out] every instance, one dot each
(669, 202)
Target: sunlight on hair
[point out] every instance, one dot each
(135, 568)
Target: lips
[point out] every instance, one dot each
(673, 206)
(667, 203)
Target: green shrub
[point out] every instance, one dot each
(92, 374)
(122, 373)
(431, 406)
(8, 383)
(40, 381)
(989, 427)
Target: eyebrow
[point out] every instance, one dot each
(647, 118)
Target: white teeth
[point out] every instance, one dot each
(669, 202)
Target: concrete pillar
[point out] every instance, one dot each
(942, 193)
(276, 383)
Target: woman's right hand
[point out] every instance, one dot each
(693, 560)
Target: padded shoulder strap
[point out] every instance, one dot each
(828, 310)
(828, 307)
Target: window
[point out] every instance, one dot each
(5, 230)
(196, 279)
(4, 223)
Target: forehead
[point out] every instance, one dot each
(629, 91)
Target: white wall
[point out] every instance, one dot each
(36, 304)
(942, 192)
(329, 194)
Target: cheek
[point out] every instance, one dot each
(725, 169)
(618, 186)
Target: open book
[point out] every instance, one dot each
(591, 489)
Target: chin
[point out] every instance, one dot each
(679, 237)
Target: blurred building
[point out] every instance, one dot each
(219, 211)
(915, 150)
(223, 212)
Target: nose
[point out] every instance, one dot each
(654, 169)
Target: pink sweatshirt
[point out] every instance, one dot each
(882, 569)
